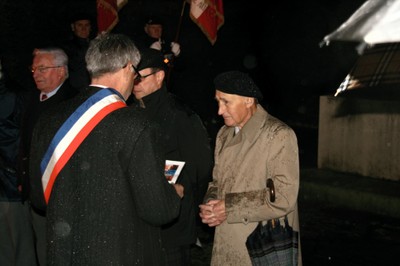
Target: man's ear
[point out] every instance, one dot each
(62, 71)
(249, 101)
(160, 75)
(72, 27)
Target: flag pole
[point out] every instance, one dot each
(180, 21)
(178, 30)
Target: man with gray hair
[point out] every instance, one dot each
(101, 171)
(50, 73)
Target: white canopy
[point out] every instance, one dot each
(376, 21)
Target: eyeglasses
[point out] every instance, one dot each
(135, 69)
(42, 69)
(139, 77)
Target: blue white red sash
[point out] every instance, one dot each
(72, 133)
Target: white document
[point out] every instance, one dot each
(172, 170)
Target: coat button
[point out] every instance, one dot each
(245, 220)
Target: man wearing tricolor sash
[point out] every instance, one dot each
(98, 163)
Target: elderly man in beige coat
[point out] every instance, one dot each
(252, 147)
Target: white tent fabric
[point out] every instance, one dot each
(376, 21)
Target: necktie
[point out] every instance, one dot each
(43, 97)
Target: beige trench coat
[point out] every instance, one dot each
(264, 148)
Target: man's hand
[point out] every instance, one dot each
(179, 190)
(175, 48)
(213, 212)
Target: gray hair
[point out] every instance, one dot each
(108, 53)
(60, 58)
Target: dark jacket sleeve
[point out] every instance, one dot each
(201, 154)
(156, 200)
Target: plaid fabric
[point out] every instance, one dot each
(273, 244)
(378, 66)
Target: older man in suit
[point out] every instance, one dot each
(50, 73)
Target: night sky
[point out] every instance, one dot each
(277, 45)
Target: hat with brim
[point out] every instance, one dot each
(239, 83)
(153, 21)
(151, 58)
(81, 16)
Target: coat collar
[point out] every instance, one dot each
(153, 100)
(250, 130)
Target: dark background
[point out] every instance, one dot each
(278, 45)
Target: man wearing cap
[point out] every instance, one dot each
(183, 138)
(154, 39)
(76, 47)
(251, 147)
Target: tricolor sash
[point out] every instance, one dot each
(72, 133)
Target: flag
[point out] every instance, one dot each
(208, 15)
(107, 14)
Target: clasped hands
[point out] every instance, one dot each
(213, 212)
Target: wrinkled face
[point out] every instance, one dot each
(154, 30)
(81, 28)
(149, 82)
(235, 109)
(46, 74)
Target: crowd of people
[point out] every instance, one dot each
(83, 155)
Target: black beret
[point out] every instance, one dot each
(239, 83)
(151, 58)
(153, 21)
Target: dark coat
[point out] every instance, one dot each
(184, 138)
(76, 49)
(10, 113)
(145, 41)
(110, 198)
(33, 109)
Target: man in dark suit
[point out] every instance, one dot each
(154, 38)
(50, 73)
(100, 169)
(184, 138)
(76, 47)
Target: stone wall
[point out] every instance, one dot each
(360, 136)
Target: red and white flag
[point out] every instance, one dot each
(107, 14)
(208, 15)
